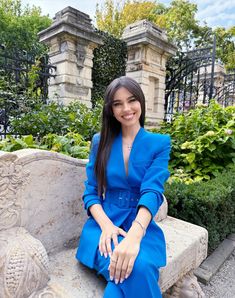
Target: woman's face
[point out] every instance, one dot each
(126, 108)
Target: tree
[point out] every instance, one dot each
(113, 19)
(179, 21)
(20, 26)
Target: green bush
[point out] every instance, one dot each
(58, 119)
(203, 142)
(109, 62)
(72, 144)
(210, 204)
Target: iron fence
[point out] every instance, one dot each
(195, 77)
(23, 81)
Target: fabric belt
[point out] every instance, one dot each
(122, 198)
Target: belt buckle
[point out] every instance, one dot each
(121, 201)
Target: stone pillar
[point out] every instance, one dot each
(71, 40)
(205, 75)
(148, 51)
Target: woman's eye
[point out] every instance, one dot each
(115, 104)
(132, 99)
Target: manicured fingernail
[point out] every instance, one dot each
(116, 281)
(101, 253)
(105, 255)
(126, 276)
(110, 254)
(111, 277)
(121, 281)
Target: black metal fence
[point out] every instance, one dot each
(195, 77)
(23, 80)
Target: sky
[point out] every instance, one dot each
(214, 12)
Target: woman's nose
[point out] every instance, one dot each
(126, 106)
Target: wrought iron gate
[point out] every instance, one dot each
(22, 77)
(196, 78)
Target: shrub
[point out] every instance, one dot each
(109, 63)
(58, 119)
(203, 142)
(210, 204)
(72, 144)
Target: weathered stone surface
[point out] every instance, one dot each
(41, 191)
(23, 264)
(148, 51)
(45, 188)
(71, 39)
(186, 248)
(186, 287)
(212, 264)
(13, 178)
(162, 212)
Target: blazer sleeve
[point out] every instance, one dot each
(152, 186)
(90, 196)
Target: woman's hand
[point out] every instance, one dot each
(109, 232)
(123, 258)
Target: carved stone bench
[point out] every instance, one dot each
(41, 215)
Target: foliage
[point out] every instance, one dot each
(180, 30)
(225, 46)
(109, 63)
(72, 144)
(203, 142)
(20, 26)
(184, 31)
(56, 118)
(114, 19)
(210, 204)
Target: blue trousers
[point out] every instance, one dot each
(142, 281)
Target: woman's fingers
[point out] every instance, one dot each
(115, 239)
(117, 271)
(124, 270)
(122, 232)
(112, 266)
(102, 246)
(129, 267)
(108, 246)
(120, 269)
(106, 239)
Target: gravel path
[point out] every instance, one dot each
(222, 285)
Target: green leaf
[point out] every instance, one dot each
(190, 157)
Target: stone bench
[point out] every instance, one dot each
(41, 216)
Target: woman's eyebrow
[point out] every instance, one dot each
(130, 97)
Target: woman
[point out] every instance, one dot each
(123, 192)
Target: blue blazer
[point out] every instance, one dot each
(147, 173)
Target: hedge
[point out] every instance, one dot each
(210, 204)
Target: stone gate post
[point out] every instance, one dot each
(148, 51)
(71, 40)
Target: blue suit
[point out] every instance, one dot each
(143, 186)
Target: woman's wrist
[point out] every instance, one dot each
(135, 232)
(105, 224)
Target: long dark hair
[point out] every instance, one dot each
(111, 127)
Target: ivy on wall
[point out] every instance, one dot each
(109, 62)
